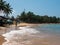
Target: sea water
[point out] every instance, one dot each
(53, 32)
(46, 34)
(49, 29)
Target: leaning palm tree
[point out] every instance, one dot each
(2, 4)
(5, 7)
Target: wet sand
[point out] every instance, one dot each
(2, 40)
(38, 41)
(2, 31)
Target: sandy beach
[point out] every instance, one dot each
(37, 41)
(2, 40)
(34, 41)
(2, 31)
(51, 40)
(5, 29)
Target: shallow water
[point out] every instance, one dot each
(39, 35)
(49, 29)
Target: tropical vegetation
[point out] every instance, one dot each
(6, 8)
(30, 17)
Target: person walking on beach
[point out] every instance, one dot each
(15, 23)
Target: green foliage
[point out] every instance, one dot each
(30, 17)
(5, 7)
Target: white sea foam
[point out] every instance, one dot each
(19, 37)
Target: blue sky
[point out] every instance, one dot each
(39, 7)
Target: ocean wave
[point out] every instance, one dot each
(19, 37)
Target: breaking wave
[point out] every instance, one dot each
(20, 37)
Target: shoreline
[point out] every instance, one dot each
(3, 29)
(2, 40)
(33, 24)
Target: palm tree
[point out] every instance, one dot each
(2, 4)
(5, 7)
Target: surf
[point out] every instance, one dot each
(20, 37)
